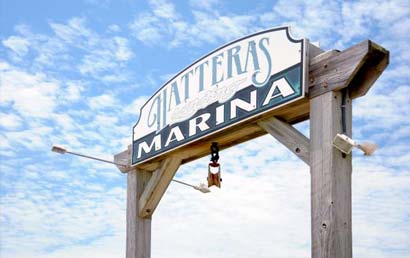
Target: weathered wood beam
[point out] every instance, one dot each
(124, 157)
(286, 134)
(377, 61)
(138, 229)
(331, 203)
(357, 68)
(157, 185)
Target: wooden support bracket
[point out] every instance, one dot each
(157, 185)
(286, 134)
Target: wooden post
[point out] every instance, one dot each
(138, 229)
(331, 201)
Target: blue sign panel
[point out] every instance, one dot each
(234, 83)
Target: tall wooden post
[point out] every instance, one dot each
(331, 170)
(138, 229)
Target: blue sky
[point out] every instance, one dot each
(76, 73)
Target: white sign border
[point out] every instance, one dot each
(305, 56)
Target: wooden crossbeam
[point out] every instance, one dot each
(124, 157)
(356, 67)
(157, 185)
(286, 134)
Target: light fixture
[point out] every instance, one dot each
(58, 149)
(345, 144)
(61, 150)
(202, 187)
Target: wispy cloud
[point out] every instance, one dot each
(19, 45)
(10, 121)
(81, 83)
(164, 24)
(32, 95)
(102, 57)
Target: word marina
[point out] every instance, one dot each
(232, 84)
(216, 117)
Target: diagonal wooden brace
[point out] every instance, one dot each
(286, 134)
(157, 185)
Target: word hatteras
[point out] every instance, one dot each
(247, 77)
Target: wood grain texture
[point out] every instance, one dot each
(157, 185)
(124, 157)
(286, 134)
(331, 201)
(370, 71)
(138, 229)
(357, 67)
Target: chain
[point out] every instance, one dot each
(214, 153)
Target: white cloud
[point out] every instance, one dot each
(73, 32)
(376, 107)
(32, 95)
(145, 28)
(379, 205)
(318, 20)
(105, 121)
(73, 91)
(102, 57)
(105, 62)
(34, 139)
(164, 9)
(102, 101)
(98, 61)
(160, 26)
(114, 28)
(64, 122)
(10, 121)
(18, 44)
(136, 105)
(43, 220)
(204, 4)
(123, 52)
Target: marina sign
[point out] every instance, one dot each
(242, 79)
